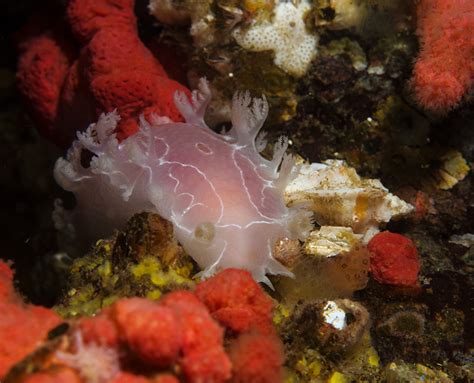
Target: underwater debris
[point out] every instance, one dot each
(364, 17)
(334, 326)
(320, 273)
(340, 14)
(327, 340)
(330, 241)
(401, 372)
(338, 196)
(170, 12)
(349, 47)
(199, 15)
(466, 240)
(453, 169)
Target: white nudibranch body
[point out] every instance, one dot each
(225, 201)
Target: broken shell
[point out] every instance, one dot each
(453, 169)
(330, 241)
(335, 326)
(338, 196)
(340, 14)
(348, 320)
(466, 240)
(169, 12)
(232, 15)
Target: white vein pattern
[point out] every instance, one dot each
(193, 177)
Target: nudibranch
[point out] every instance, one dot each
(225, 201)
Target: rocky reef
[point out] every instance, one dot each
(370, 116)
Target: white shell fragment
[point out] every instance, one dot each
(466, 240)
(330, 241)
(347, 13)
(334, 315)
(338, 196)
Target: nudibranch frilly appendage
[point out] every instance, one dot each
(223, 198)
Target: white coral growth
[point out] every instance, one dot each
(286, 35)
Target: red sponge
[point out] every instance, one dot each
(394, 259)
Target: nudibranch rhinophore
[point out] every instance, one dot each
(226, 201)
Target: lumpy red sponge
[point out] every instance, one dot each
(44, 61)
(151, 331)
(179, 338)
(238, 302)
(256, 358)
(394, 259)
(121, 72)
(113, 70)
(22, 326)
(176, 331)
(444, 70)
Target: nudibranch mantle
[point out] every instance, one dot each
(226, 201)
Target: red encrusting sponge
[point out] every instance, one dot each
(394, 259)
(444, 70)
(66, 90)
